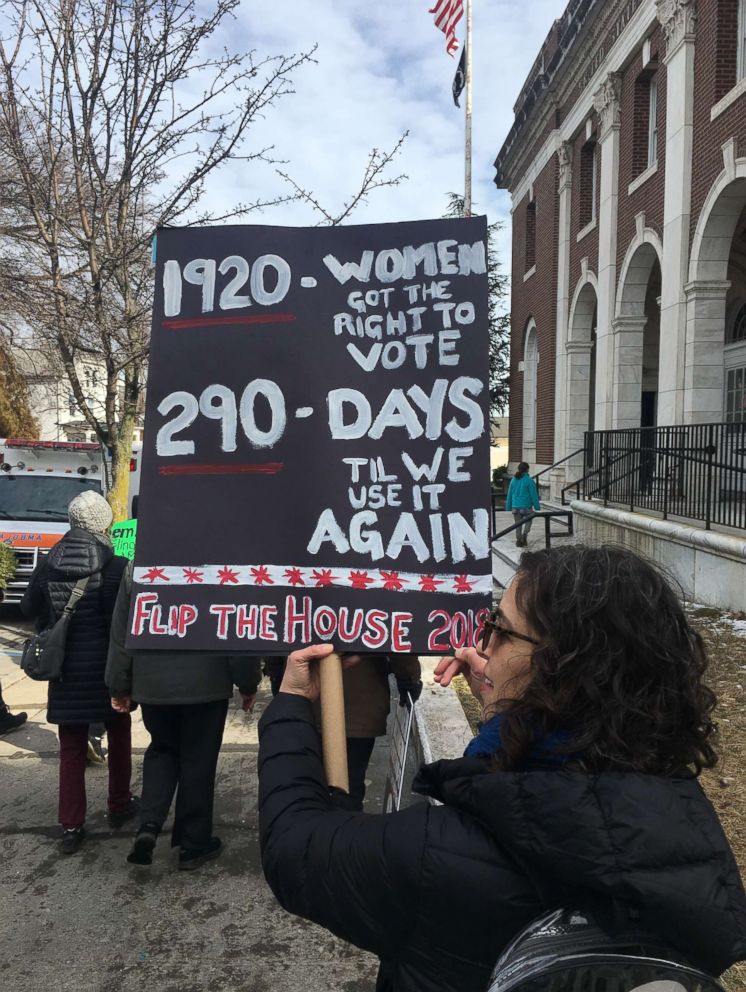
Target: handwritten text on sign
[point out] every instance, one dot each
(318, 402)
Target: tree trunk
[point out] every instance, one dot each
(120, 469)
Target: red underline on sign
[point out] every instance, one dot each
(259, 318)
(266, 468)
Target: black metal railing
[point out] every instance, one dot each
(563, 516)
(562, 461)
(695, 471)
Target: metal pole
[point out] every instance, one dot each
(467, 144)
(710, 452)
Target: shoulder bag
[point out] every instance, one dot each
(44, 653)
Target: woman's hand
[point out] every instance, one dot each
(466, 661)
(301, 676)
(121, 704)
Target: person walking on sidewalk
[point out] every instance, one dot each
(80, 697)
(184, 700)
(9, 721)
(523, 502)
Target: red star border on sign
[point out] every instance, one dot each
(192, 575)
(360, 580)
(462, 583)
(227, 575)
(294, 577)
(391, 580)
(429, 583)
(323, 577)
(155, 574)
(262, 576)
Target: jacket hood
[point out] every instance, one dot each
(79, 553)
(653, 844)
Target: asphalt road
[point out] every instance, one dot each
(92, 923)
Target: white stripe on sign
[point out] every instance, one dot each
(297, 576)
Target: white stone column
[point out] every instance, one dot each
(565, 155)
(578, 399)
(703, 370)
(679, 20)
(628, 345)
(606, 102)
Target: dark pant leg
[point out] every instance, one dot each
(73, 751)
(518, 517)
(202, 727)
(160, 767)
(528, 516)
(359, 750)
(119, 731)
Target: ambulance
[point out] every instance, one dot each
(37, 481)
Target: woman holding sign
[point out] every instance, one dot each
(581, 786)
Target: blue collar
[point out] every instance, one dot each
(489, 740)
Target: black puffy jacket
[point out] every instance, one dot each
(81, 695)
(438, 891)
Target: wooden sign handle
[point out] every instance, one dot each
(333, 734)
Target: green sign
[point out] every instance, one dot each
(123, 536)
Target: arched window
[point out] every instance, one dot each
(737, 329)
(530, 365)
(530, 235)
(735, 367)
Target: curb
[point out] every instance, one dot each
(441, 726)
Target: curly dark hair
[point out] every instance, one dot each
(618, 673)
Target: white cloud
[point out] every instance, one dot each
(381, 70)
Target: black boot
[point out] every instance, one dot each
(142, 850)
(9, 722)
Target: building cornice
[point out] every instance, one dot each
(602, 31)
(531, 158)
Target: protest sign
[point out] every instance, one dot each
(316, 455)
(123, 537)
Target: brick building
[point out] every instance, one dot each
(627, 169)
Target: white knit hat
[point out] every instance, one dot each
(90, 511)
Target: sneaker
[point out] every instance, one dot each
(72, 839)
(118, 818)
(10, 722)
(142, 849)
(189, 860)
(96, 754)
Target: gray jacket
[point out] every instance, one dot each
(172, 678)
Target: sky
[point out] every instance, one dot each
(382, 69)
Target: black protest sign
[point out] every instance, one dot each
(316, 456)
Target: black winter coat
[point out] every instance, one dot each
(81, 695)
(438, 891)
(172, 678)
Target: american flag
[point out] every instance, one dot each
(447, 15)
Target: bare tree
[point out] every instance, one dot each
(113, 115)
(374, 177)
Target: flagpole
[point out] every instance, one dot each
(467, 143)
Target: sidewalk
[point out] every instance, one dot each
(92, 923)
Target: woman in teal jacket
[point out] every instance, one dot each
(523, 501)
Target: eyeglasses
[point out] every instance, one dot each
(494, 625)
